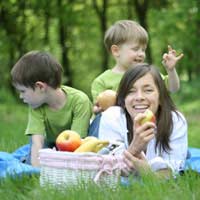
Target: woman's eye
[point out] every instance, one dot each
(148, 90)
(131, 91)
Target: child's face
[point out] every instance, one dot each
(130, 54)
(34, 98)
(143, 95)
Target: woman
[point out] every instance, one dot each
(161, 147)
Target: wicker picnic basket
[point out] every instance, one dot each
(68, 168)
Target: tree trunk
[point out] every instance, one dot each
(46, 25)
(129, 9)
(102, 16)
(63, 37)
(197, 64)
(141, 8)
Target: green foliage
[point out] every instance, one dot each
(177, 25)
(37, 26)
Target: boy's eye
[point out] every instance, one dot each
(135, 48)
(21, 91)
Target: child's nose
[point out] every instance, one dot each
(141, 53)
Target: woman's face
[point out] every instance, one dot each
(143, 95)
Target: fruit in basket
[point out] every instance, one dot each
(150, 117)
(86, 139)
(92, 145)
(106, 99)
(68, 140)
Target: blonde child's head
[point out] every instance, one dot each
(124, 31)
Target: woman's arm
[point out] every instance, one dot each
(141, 165)
(176, 156)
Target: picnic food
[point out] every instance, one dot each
(106, 99)
(68, 140)
(86, 139)
(91, 144)
(150, 117)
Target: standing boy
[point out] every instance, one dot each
(53, 107)
(127, 41)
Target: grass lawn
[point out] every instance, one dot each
(13, 123)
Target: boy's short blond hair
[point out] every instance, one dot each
(124, 31)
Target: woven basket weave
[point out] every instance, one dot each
(68, 169)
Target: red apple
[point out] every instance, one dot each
(106, 99)
(150, 117)
(68, 141)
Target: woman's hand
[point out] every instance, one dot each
(138, 163)
(142, 135)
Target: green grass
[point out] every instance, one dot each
(188, 102)
(184, 187)
(13, 123)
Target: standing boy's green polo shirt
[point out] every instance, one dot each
(75, 115)
(109, 80)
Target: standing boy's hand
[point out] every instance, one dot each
(97, 109)
(170, 59)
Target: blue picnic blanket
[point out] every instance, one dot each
(193, 162)
(12, 164)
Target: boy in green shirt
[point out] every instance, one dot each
(52, 107)
(126, 40)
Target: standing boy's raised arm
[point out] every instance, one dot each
(169, 61)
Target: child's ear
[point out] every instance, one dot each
(41, 85)
(114, 50)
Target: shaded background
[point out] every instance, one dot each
(73, 31)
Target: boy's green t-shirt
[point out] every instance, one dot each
(109, 80)
(75, 115)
